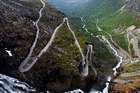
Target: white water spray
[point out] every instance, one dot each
(120, 58)
(12, 85)
(115, 52)
(105, 90)
(75, 91)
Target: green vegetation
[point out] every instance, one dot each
(104, 54)
(122, 21)
(118, 21)
(68, 60)
(132, 68)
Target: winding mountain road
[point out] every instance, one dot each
(29, 56)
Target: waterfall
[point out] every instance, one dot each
(12, 85)
(75, 91)
(120, 58)
(115, 52)
(105, 90)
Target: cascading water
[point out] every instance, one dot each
(115, 52)
(75, 91)
(12, 85)
(8, 84)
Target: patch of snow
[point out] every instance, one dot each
(9, 52)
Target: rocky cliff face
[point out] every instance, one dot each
(57, 70)
(133, 5)
(17, 34)
(128, 80)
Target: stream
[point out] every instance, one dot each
(70, 8)
(26, 66)
(114, 52)
(12, 85)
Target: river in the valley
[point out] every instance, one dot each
(89, 13)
